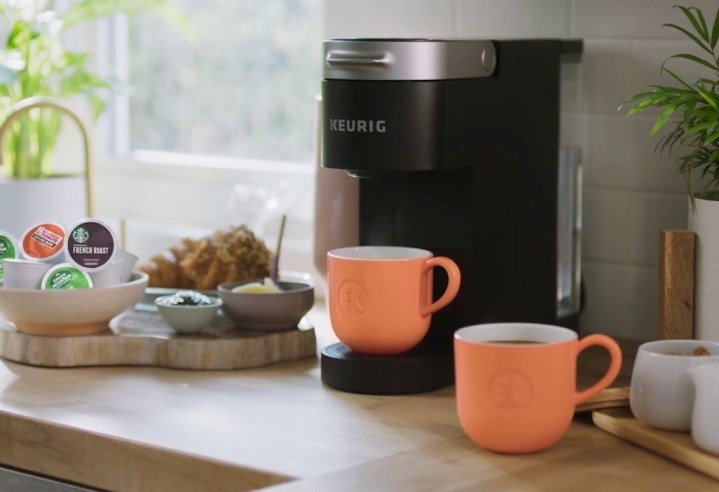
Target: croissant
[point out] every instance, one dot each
(229, 255)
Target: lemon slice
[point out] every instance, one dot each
(256, 288)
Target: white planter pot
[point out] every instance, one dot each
(705, 223)
(58, 199)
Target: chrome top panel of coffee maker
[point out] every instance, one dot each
(408, 59)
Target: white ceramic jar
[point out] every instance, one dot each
(662, 391)
(705, 430)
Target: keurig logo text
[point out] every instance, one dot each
(358, 126)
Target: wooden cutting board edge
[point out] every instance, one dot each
(676, 446)
(172, 353)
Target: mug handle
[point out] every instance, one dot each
(452, 285)
(615, 364)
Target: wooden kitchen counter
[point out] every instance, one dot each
(147, 429)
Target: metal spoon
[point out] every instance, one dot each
(275, 268)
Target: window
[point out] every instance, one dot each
(242, 85)
(216, 128)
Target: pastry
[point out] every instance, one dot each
(227, 255)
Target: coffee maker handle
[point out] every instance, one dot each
(454, 280)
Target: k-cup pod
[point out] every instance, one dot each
(112, 274)
(8, 250)
(43, 242)
(65, 276)
(91, 245)
(23, 274)
(128, 261)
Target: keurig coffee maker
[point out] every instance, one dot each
(455, 144)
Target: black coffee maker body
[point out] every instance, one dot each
(455, 144)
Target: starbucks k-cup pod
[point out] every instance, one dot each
(91, 245)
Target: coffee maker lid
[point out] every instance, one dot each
(408, 59)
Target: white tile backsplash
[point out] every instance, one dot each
(514, 18)
(608, 74)
(393, 18)
(622, 226)
(630, 18)
(620, 153)
(630, 192)
(621, 300)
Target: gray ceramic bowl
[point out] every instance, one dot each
(268, 311)
(187, 318)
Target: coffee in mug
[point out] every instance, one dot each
(380, 297)
(516, 383)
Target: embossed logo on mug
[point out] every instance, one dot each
(353, 299)
(510, 391)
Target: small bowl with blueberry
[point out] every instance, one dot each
(188, 311)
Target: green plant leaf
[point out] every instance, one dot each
(693, 37)
(694, 58)
(663, 117)
(715, 30)
(709, 97)
(698, 21)
(20, 35)
(97, 105)
(38, 64)
(80, 80)
(711, 138)
(93, 9)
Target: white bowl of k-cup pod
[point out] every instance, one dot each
(91, 245)
(44, 241)
(9, 250)
(65, 276)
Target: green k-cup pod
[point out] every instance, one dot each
(8, 250)
(65, 276)
(90, 245)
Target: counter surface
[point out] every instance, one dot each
(137, 429)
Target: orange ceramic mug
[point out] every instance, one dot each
(380, 297)
(516, 383)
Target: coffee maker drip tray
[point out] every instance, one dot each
(424, 368)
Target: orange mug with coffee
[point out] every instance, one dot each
(516, 383)
(380, 297)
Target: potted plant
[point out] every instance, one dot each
(35, 65)
(691, 110)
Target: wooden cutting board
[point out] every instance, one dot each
(608, 398)
(676, 446)
(139, 338)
